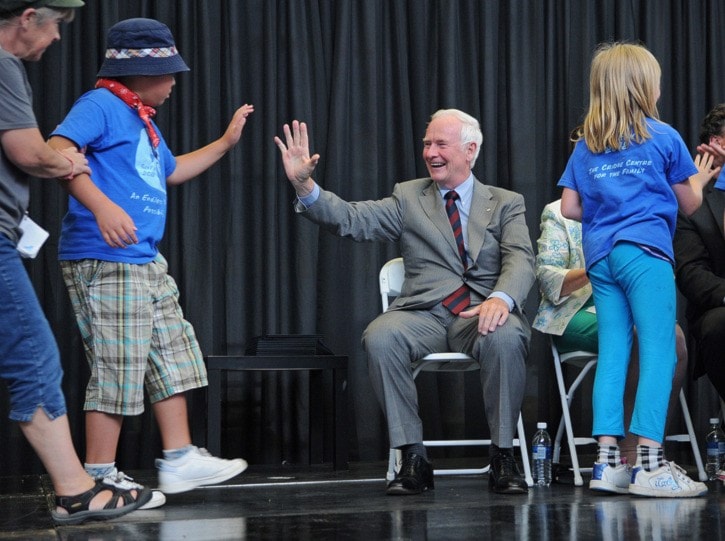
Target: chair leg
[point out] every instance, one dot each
(692, 438)
(565, 422)
(393, 461)
(524, 452)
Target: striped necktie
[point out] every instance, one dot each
(459, 300)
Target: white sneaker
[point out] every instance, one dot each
(610, 479)
(123, 481)
(667, 481)
(196, 468)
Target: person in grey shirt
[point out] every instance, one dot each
(29, 357)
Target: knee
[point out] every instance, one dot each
(377, 338)
(507, 344)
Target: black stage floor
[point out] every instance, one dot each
(319, 504)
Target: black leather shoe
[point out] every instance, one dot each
(415, 476)
(504, 476)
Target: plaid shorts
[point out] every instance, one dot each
(134, 334)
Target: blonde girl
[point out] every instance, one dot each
(627, 175)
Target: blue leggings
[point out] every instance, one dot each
(633, 287)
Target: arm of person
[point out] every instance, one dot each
(298, 165)
(115, 225)
(558, 271)
(689, 192)
(571, 205)
(27, 149)
(574, 280)
(196, 162)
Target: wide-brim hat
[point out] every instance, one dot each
(17, 6)
(140, 47)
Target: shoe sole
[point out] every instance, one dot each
(510, 490)
(604, 486)
(400, 491)
(637, 490)
(507, 490)
(157, 500)
(186, 486)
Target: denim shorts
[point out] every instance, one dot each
(29, 358)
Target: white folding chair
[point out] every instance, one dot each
(391, 277)
(586, 360)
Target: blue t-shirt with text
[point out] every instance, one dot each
(627, 194)
(126, 168)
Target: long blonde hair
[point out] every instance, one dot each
(623, 90)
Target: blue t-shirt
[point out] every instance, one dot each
(627, 195)
(126, 168)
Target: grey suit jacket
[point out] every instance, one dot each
(414, 215)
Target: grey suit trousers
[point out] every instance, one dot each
(397, 338)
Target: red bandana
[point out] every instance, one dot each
(130, 98)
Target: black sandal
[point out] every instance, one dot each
(78, 506)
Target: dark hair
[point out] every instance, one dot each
(712, 124)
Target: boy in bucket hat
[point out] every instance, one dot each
(126, 304)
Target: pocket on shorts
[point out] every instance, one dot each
(87, 270)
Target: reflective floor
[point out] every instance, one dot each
(319, 504)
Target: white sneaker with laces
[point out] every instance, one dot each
(194, 469)
(667, 481)
(608, 478)
(123, 481)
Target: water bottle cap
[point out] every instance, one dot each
(541, 425)
(714, 421)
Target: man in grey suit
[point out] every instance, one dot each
(464, 290)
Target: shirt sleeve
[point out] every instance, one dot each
(308, 200)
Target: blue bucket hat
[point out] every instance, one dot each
(140, 47)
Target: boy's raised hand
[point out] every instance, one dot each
(234, 130)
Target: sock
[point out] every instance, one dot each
(650, 458)
(414, 449)
(608, 454)
(171, 454)
(98, 471)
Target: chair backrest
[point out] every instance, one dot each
(391, 280)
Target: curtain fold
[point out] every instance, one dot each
(365, 75)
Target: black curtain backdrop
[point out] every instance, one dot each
(365, 75)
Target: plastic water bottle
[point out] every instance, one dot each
(715, 449)
(541, 448)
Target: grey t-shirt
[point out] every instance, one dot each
(16, 112)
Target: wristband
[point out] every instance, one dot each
(72, 173)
